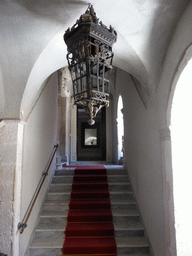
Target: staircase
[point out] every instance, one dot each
(129, 232)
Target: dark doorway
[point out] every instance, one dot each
(91, 139)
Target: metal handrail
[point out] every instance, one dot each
(22, 225)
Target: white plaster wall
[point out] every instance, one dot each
(148, 145)
(143, 159)
(39, 139)
(178, 53)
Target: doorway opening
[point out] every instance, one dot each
(181, 139)
(91, 139)
(120, 130)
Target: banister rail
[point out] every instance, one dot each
(22, 225)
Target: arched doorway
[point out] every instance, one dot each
(120, 130)
(181, 139)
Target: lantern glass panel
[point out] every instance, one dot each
(108, 60)
(100, 84)
(78, 72)
(100, 69)
(106, 87)
(84, 83)
(73, 76)
(83, 68)
(94, 83)
(85, 95)
(78, 86)
(75, 87)
(93, 66)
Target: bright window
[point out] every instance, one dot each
(120, 129)
(181, 133)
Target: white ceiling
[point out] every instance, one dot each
(32, 45)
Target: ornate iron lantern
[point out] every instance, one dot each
(90, 57)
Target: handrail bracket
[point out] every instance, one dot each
(21, 227)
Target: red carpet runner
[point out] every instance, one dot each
(89, 227)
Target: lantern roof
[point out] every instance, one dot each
(98, 28)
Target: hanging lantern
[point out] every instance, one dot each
(90, 57)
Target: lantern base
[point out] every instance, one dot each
(91, 122)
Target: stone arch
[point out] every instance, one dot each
(175, 61)
(49, 61)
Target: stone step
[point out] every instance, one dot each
(123, 225)
(62, 179)
(124, 206)
(62, 211)
(134, 228)
(58, 222)
(119, 232)
(63, 208)
(45, 252)
(49, 233)
(110, 171)
(130, 254)
(67, 187)
(125, 245)
(47, 242)
(64, 171)
(114, 201)
(120, 187)
(59, 209)
(115, 206)
(115, 171)
(60, 187)
(58, 252)
(117, 178)
(125, 212)
(52, 224)
(129, 232)
(66, 196)
(110, 178)
(115, 195)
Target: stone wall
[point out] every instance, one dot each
(8, 152)
(142, 158)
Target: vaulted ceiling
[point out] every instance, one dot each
(32, 45)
